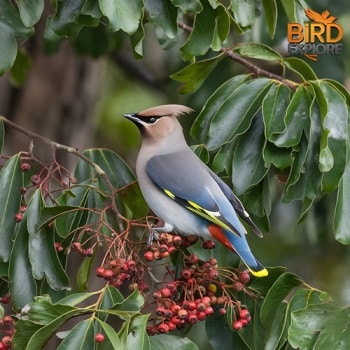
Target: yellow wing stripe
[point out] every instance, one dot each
(170, 194)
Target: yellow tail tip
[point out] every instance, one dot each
(261, 273)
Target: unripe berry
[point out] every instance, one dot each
(99, 338)
(18, 217)
(213, 261)
(182, 314)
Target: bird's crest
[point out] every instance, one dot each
(166, 110)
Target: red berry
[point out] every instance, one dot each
(201, 316)
(176, 320)
(237, 286)
(244, 277)
(192, 259)
(88, 252)
(6, 340)
(99, 338)
(244, 313)
(171, 325)
(58, 247)
(201, 307)
(163, 248)
(206, 301)
(208, 244)
(25, 167)
(186, 274)
(192, 318)
(222, 311)
(177, 241)
(163, 328)
(76, 246)
(5, 299)
(99, 271)
(2, 346)
(18, 217)
(22, 208)
(213, 261)
(23, 190)
(237, 325)
(182, 314)
(131, 264)
(175, 308)
(160, 310)
(209, 311)
(167, 313)
(124, 267)
(107, 274)
(149, 256)
(8, 320)
(244, 321)
(213, 273)
(165, 292)
(191, 305)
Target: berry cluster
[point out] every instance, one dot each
(120, 270)
(199, 288)
(6, 328)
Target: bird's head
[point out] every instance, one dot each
(158, 122)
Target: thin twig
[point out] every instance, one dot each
(248, 64)
(75, 152)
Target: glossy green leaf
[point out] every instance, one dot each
(81, 336)
(200, 127)
(300, 67)
(248, 166)
(112, 336)
(65, 22)
(122, 14)
(320, 327)
(334, 135)
(133, 303)
(340, 88)
(282, 287)
(23, 287)
(24, 330)
(42, 253)
(10, 198)
(244, 12)
(221, 29)
(270, 10)
(114, 167)
(274, 107)
(30, 11)
(188, 6)
(111, 296)
(223, 159)
(280, 158)
(76, 298)
(201, 36)
(83, 273)
(171, 342)
(296, 119)
(92, 8)
(257, 51)
(163, 15)
(8, 47)
(137, 337)
(136, 39)
(305, 178)
(236, 113)
(193, 76)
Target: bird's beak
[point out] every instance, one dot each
(130, 116)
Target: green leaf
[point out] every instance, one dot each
(136, 39)
(111, 334)
(133, 303)
(271, 14)
(10, 200)
(334, 112)
(50, 214)
(137, 337)
(30, 11)
(8, 48)
(319, 327)
(65, 22)
(171, 342)
(248, 167)
(76, 298)
(201, 36)
(258, 51)
(24, 330)
(22, 286)
(283, 286)
(221, 29)
(274, 107)
(300, 67)
(83, 273)
(21, 67)
(194, 75)
(244, 12)
(42, 253)
(200, 127)
(163, 15)
(188, 6)
(236, 113)
(296, 119)
(114, 167)
(122, 14)
(81, 336)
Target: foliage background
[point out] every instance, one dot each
(118, 83)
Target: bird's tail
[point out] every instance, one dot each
(240, 246)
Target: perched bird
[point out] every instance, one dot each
(181, 190)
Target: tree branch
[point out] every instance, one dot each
(75, 152)
(248, 64)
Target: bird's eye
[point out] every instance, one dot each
(151, 120)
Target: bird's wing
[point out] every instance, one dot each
(236, 203)
(183, 178)
(315, 16)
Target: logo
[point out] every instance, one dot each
(320, 37)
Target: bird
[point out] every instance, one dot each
(320, 17)
(183, 191)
